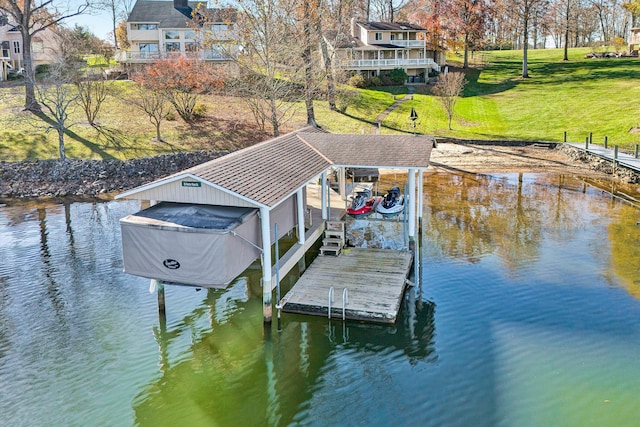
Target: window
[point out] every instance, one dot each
(220, 27)
(393, 37)
(16, 46)
(149, 47)
(144, 26)
(172, 47)
(172, 35)
(378, 36)
(189, 34)
(191, 47)
(37, 46)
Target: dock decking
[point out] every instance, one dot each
(375, 280)
(623, 159)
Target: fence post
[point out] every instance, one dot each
(615, 156)
(606, 140)
(586, 143)
(565, 136)
(590, 137)
(636, 153)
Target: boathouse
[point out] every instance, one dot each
(208, 223)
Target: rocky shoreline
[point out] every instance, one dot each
(86, 179)
(90, 178)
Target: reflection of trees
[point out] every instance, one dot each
(468, 216)
(53, 290)
(624, 236)
(235, 374)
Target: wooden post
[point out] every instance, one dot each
(636, 153)
(615, 155)
(590, 137)
(606, 141)
(323, 197)
(586, 143)
(565, 136)
(161, 306)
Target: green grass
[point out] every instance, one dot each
(578, 96)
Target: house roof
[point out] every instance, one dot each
(269, 172)
(167, 16)
(390, 26)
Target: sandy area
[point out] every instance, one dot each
(495, 158)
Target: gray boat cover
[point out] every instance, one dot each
(199, 245)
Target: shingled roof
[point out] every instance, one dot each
(165, 14)
(269, 172)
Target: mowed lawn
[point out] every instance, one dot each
(579, 96)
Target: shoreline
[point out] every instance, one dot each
(101, 179)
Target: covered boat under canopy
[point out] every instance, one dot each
(199, 245)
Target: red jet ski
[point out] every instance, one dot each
(362, 203)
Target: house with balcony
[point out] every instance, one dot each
(163, 29)
(375, 48)
(634, 41)
(44, 47)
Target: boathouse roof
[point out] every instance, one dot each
(267, 173)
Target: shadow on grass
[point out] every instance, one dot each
(95, 148)
(31, 147)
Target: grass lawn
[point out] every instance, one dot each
(578, 96)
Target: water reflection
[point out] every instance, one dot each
(235, 372)
(523, 317)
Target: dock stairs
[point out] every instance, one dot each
(334, 239)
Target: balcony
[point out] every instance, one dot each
(408, 43)
(361, 64)
(147, 57)
(144, 35)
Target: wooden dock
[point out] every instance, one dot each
(375, 280)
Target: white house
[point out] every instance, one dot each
(44, 45)
(161, 29)
(374, 48)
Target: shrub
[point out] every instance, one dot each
(387, 80)
(42, 69)
(199, 111)
(346, 97)
(398, 75)
(373, 82)
(357, 81)
(171, 117)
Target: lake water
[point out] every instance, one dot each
(528, 314)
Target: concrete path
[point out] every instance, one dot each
(385, 113)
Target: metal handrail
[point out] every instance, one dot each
(345, 300)
(330, 301)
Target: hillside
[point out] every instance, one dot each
(579, 96)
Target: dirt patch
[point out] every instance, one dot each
(480, 158)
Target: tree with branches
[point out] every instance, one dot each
(181, 81)
(32, 17)
(152, 102)
(58, 96)
(448, 89)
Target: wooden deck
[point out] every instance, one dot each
(375, 280)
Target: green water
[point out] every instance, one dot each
(527, 315)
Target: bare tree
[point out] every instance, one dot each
(58, 96)
(448, 88)
(92, 92)
(268, 61)
(34, 16)
(154, 104)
